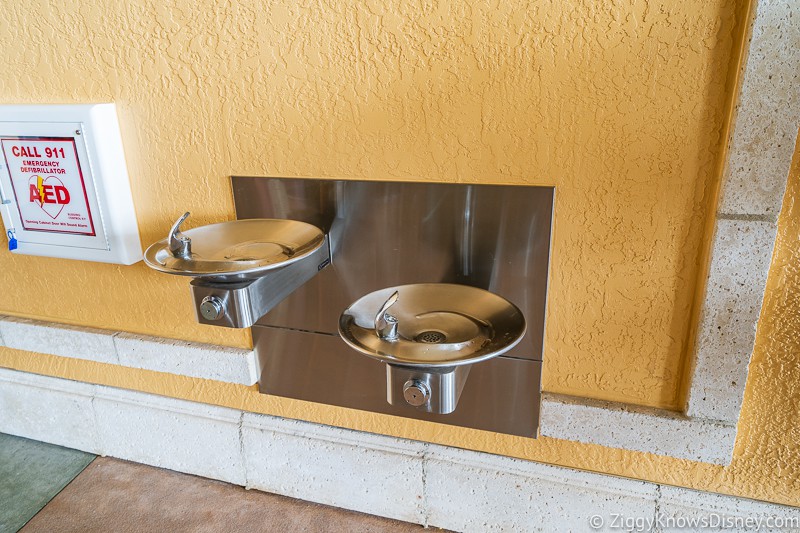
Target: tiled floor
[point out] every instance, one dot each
(31, 473)
(115, 495)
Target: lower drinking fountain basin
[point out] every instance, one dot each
(436, 325)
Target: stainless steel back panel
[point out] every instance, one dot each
(385, 234)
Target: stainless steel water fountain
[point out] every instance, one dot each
(241, 269)
(431, 339)
(422, 300)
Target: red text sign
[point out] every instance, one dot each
(48, 184)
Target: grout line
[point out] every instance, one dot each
(425, 511)
(242, 455)
(98, 439)
(116, 348)
(657, 509)
(748, 218)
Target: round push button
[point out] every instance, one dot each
(416, 392)
(211, 308)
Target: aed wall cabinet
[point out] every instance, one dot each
(64, 185)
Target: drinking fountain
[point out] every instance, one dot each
(429, 335)
(241, 269)
(433, 307)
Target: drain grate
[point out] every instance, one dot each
(431, 337)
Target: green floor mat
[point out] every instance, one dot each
(31, 474)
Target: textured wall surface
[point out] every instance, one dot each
(621, 105)
(766, 461)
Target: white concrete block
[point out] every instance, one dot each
(179, 435)
(690, 510)
(2, 342)
(59, 339)
(471, 491)
(425, 483)
(635, 428)
(353, 470)
(732, 305)
(768, 114)
(48, 409)
(205, 361)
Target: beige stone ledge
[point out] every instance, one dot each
(608, 424)
(182, 358)
(630, 427)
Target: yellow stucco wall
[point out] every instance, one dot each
(621, 107)
(766, 461)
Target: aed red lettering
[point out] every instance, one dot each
(62, 195)
(50, 194)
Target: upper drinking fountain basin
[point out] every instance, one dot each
(234, 251)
